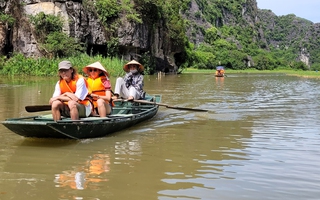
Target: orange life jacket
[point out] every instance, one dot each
(96, 87)
(72, 87)
(219, 72)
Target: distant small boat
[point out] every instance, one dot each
(220, 71)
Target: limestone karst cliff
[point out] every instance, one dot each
(151, 36)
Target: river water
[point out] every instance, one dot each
(259, 140)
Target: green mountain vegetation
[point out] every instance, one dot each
(269, 42)
(232, 33)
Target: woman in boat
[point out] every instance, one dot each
(130, 87)
(99, 89)
(69, 97)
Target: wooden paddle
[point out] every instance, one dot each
(168, 106)
(38, 108)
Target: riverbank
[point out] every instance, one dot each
(18, 65)
(306, 74)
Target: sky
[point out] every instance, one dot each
(307, 9)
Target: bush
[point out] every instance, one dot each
(46, 24)
(58, 44)
(315, 67)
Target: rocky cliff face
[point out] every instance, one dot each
(289, 31)
(134, 39)
(138, 39)
(248, 17)
(79, 23)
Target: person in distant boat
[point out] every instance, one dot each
(220, 71)
(130, 87)
(69, 97)
(99, 89)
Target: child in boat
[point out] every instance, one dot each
(130, 87)
(99, 89)
(69, 97)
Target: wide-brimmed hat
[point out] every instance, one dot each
(96, 65)
(133, 62)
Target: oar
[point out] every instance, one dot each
(168, 106)
(38, 108)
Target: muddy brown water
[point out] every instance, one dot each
(259, 140)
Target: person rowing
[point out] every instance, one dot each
(130, 86)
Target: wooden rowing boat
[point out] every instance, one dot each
(125, 114)
(220, 72)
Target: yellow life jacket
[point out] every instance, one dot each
(72, 87)
(96, 87)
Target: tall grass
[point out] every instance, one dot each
(19, 65)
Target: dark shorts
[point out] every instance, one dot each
(81, 109)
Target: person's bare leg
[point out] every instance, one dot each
(103, 108)
(74, 113)
(55, 110)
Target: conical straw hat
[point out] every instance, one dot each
(133, 62)
(96, 65)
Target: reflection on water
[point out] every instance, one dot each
(81, 177)
(258, 141)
